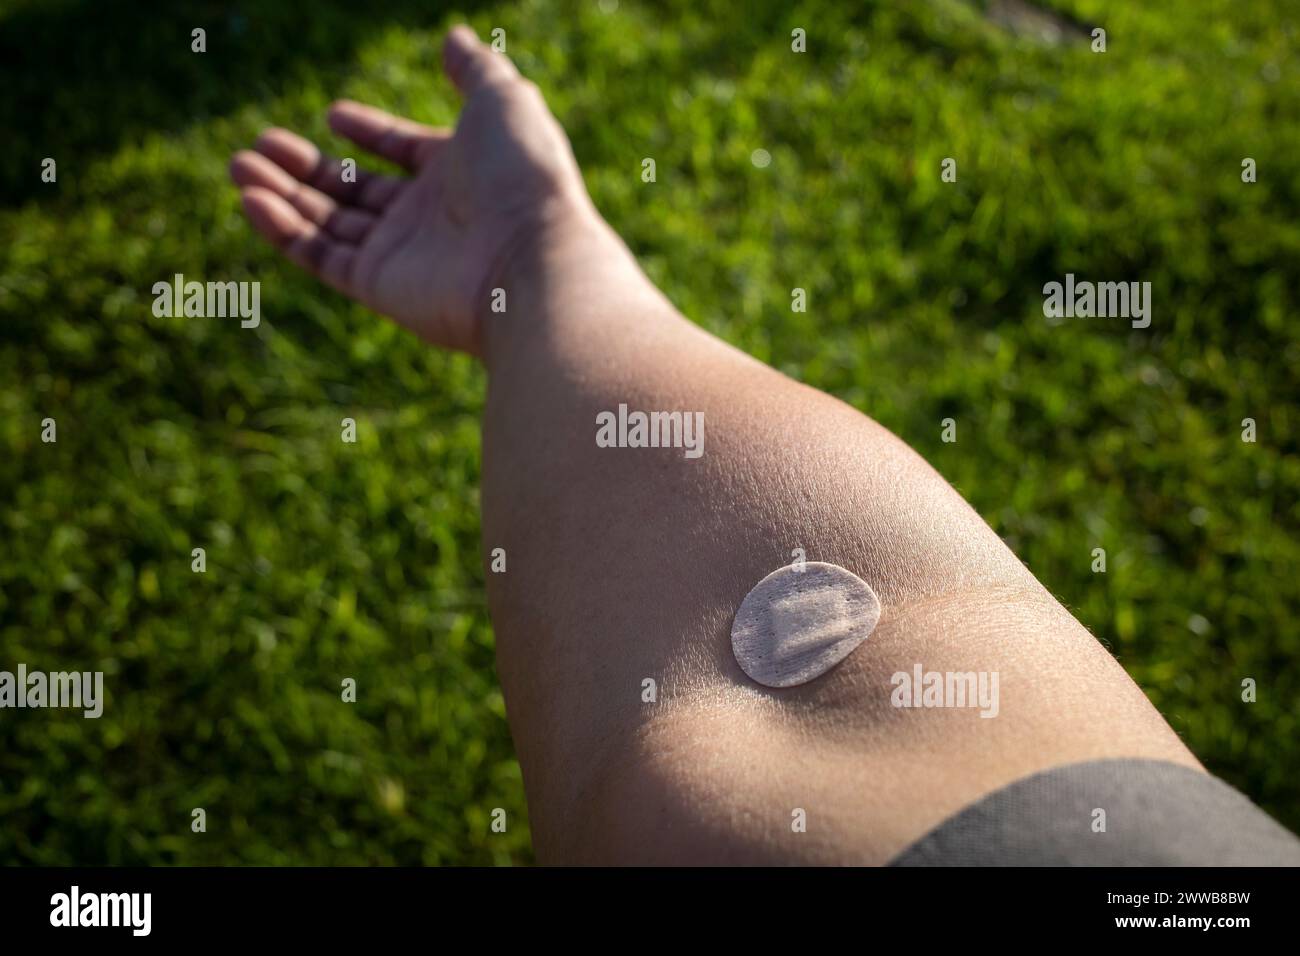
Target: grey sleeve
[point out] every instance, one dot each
(1155, 814)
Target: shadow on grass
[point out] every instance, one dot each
(90, 75)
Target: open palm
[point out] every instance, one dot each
(422, 250)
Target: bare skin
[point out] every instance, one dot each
(627, 564)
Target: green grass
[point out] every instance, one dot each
(328, 560)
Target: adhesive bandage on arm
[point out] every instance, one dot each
(795, 625)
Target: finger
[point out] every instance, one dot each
(405, 142)
(303, 161)
(472, 65)
(347, 223)
(301, 241)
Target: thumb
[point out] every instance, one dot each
(471, 65)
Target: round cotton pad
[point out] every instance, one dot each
(796, 625)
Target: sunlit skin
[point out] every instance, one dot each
(419, 249)
(627, 565)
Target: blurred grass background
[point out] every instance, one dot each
(328, 560)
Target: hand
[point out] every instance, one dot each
(424, 250)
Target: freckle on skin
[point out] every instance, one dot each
(796, 625)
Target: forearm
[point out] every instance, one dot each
(634, 561)
(586, 331)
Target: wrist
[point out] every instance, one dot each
(556, 244)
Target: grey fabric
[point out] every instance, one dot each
(1157, 814)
